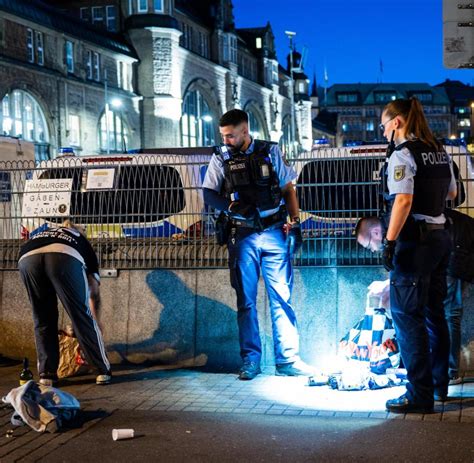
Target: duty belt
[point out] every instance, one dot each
(271, 222)
(433, 226)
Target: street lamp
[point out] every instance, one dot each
(290, 36)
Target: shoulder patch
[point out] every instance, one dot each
(399, 173)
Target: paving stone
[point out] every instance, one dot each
(326, 413)
(274, 411)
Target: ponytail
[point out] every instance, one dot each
(416, 124)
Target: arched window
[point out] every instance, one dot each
(118, 132)
(255, 126)
(285, 140)
(197, 123)
(21, 116)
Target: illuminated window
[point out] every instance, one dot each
(258, 42)
(118, 132)
(21, 116)
(424, 97)
(93, 65)
(123, 70)
(347, 97)
(384, 97)
(89, 65)
(69, 50)
(197, 123)
(39, 48)
(96, 66)
(74, 130)
(30, 45)
(34, 46)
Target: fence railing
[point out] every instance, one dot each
(147, 211)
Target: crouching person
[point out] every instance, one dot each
(60, 262)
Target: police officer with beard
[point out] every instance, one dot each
(416, 251)
(248, 180)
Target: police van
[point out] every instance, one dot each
(153, 193)
(336, 186)
(156, 193)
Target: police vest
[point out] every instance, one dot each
(251, 178)
(431, 182)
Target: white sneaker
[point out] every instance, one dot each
(455, 380)
(103, 379)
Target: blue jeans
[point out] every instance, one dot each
(417, 294)
(453, 310)
(267, 251)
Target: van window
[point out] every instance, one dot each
(349, 188)
(142, 193)
(340, 188)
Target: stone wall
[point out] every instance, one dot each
(189, 317)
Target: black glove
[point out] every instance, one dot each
(239, 210)
(388, 252)
(294, 238)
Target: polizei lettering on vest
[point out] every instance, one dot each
(238, 166)
(434, 158)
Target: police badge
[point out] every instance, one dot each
(399, 173)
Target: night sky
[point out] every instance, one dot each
(356, 38)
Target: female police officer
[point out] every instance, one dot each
(416, 250)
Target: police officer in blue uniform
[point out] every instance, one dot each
(248, 180)
(416, 251)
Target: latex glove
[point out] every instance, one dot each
(388, 252)
(294, 237)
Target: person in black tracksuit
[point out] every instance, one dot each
(416, 252)
(60, 262)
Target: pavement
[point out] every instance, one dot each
(188, 415)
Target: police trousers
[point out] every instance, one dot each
(48, 276)
(249, 253)
(453, 308)
(417, 294)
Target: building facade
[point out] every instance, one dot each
(359, 108)
(461, 98)
(103, 76)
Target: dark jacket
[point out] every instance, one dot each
(461, 260)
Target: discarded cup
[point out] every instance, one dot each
(119, 434)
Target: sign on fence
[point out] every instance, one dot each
(100, 179)
(47, 198)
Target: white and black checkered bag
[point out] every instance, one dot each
(372, 339)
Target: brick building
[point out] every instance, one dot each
(163, 71)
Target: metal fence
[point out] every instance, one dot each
(146, 210)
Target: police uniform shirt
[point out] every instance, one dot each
(215, 172)
(401, 173)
